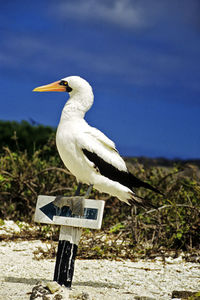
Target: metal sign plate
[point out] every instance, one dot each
(48, 213)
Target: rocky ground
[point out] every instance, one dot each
(98, 279)
(93, 279)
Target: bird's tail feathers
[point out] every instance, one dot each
(139, 201)
(152, 188)
(136, 182)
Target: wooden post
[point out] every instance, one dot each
(70, 231)
(66, 254)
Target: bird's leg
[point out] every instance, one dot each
(77, 192)
(88, 191)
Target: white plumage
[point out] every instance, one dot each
(74, 134)
(86, 152)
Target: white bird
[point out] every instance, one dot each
(86, 152)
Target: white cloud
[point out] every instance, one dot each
(137, 66)
(129, 14)
(119, 12)
(144, 61)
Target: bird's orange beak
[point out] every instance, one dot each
(52, 87)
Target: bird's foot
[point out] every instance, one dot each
(75, 203)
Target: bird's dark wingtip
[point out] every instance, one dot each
(136, 182)
(152, 188)
(141, 202)
(159, 192)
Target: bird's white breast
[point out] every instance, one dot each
(70, 153)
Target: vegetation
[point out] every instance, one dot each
(127, 231)
(23, 136)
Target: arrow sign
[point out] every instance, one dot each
(50, 210)
(47, 212)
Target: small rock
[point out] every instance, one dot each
(38, 291)
(50, 291)
(53, 286)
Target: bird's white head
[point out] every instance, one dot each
(71, 84)
(80, 91)
(76, 84)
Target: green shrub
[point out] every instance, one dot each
(23, 179)
(126, 230)
(23, 136)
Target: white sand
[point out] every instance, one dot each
(101, 279)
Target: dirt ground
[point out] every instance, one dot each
(100, 279)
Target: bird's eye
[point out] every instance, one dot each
(62, 82)
(65, 83)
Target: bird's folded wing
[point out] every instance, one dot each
(100, 136)
(96, 142)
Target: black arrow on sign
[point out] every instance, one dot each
(50, 210)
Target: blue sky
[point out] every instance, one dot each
(142, 59)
